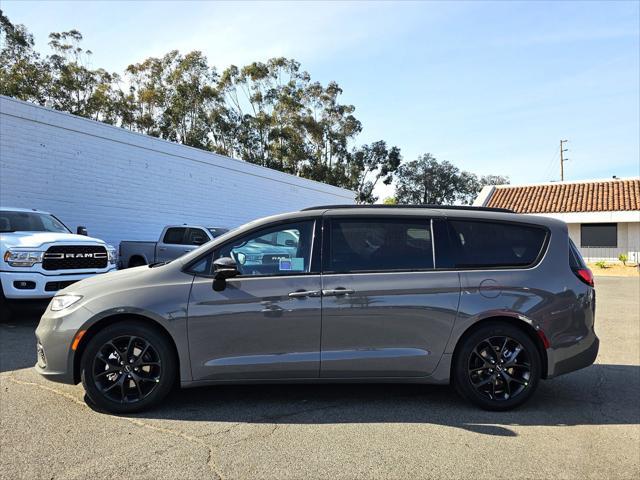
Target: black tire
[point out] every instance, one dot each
(5, 310)
(497, 367)
(128, 367)
(136, 262)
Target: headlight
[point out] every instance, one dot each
(60, 302)
(113, 254)
(23, 258)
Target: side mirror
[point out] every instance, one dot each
(82, 230)
(198, 240)
(223, 268)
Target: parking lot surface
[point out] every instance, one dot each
(582, 425)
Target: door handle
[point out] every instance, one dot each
(304, 294)
(338, 291)
(161, 249)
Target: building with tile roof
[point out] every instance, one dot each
(603, 216)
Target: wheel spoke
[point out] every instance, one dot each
(505, 383)
(514, 355)
(114, 369)
(482, 382)
(506, 380)
(128, 383)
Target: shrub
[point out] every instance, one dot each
(601, 264)
(623, 258)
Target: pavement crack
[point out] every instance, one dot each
(139, 423)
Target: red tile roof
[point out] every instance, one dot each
(597, 196)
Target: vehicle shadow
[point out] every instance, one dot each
(17, 339)
(598, 395)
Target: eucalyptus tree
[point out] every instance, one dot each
(23, 73)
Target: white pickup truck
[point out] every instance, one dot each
(39, 256)
(174, 241)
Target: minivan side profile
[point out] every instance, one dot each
(487, 300)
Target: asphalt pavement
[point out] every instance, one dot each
(581, 425)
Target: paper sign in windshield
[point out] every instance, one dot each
(295, 264)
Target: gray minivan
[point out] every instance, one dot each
(485, 299)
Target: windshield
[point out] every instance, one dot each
(216, 232)
(30, 222)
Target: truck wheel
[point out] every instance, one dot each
(5, 309)
(128, 367)
(136, 262)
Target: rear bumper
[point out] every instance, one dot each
(579, 356)
(39, 286)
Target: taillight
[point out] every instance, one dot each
(585, 275)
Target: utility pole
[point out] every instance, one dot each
(562, 159)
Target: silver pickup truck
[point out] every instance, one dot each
(175, 241)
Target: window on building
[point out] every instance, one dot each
(599, 235)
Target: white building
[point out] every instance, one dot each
(126, 186)
(603, 215)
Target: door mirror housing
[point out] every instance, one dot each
(81, 230)
(224, 268)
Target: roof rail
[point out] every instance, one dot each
(435, 207)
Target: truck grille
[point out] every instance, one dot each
(69, 257)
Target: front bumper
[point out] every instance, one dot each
(44, 286)
(54, 337)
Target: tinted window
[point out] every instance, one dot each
(379, 245)
(196, 236)
(489, 244)
(575, 259)
(174, 235)
(30, 222)
(599, 235)
(281, 250)
(216, 232)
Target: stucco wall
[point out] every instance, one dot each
(124, 185)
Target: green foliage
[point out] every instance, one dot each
(269, 113)
(390, 201)
(601, 264)
(429, 181)
(624, 258)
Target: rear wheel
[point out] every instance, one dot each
(128, 367)
(498, 367)
(136, 262)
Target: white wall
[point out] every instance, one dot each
(628, 243)
(124, 185)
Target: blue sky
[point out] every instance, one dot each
(490, 86)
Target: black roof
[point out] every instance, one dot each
(434, 207)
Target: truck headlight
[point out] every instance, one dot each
(23, 258)
(113, 254)
(60, 302)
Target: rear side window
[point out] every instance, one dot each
(575, 258)
(174, 235)
(379, 244)
(494, 244)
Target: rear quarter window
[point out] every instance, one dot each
(486, 244)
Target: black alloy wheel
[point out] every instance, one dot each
(497, 366)
(127, 367)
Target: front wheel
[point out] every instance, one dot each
(498, 367)
(128, 367)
